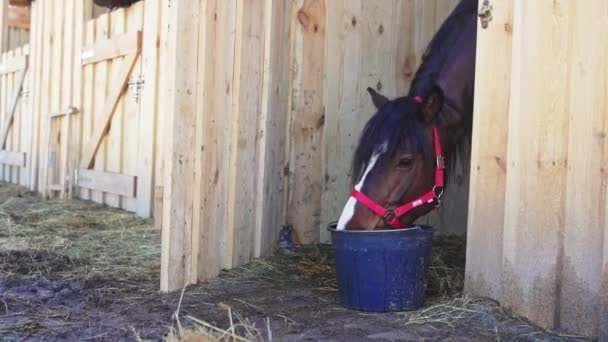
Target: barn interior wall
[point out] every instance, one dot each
(537, 224)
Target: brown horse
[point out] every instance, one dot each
(398, 164)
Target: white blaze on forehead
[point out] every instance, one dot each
(349, 208)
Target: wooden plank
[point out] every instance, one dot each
(47, 10)
(10, 111)
(109, 48)
(133, 117)
(537, 158)
(87, 118)
(12, 158)
(13, 65)
(307, 123)
(100, 96)
(113, 151)
(489, 155)
(247, 102)
(271, 127)
(215, 98)
(69, 110)
(176, 242)
(586, 186)
(103, 122)
(148, 110)
(110, 182)
(36, 83)
(4, 28)
(67, 80)
(6, 94)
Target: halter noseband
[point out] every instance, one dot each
(392, 215)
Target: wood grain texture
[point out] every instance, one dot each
(307, 120)
(176, 242)
(537, 159)
(489, 155)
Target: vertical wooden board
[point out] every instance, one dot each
(585, 210)
(161, 104)
(66, 95)
(16, 130)
(4, 102)
(307, 120)
(218, 93)
(271, 130)
(9, 140)
(82, 13)
(247, 101)
(147, 112)
(4, 30)
(45, 93)
(342, 92)
(25, 123)
(537, 152)
(131, 117)
(489, 155)
(176, 242)
(34, 157)
(102, 76)
(88, 105)
(112, 150)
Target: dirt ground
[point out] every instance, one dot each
(77, 271)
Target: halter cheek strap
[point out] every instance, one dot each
(391, 216)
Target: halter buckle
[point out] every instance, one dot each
(438, 190)
(389, 216)
(440, 160)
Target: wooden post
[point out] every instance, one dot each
(183, 34)
(489, 154)
(537, 159)
(308, 118)
(4, 25)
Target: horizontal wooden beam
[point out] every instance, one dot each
(128, 43)
(12, 158)
(14, 64)
(19, 17)
(111, 182)
(67, 111)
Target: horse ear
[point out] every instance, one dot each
(431, 106)
(378, 99)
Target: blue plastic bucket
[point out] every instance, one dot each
(382, 270)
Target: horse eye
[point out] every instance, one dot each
(405, 163)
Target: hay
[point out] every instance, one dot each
(201, 331)
(74, 240)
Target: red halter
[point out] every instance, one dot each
(391, 216)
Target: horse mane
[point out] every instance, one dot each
(396, 123)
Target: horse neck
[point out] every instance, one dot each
(457, 81)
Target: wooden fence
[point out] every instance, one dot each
(94, 103)
(537, 238)
(15, 130)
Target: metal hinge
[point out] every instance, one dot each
(136, 84)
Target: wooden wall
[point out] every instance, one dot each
(537, 224)
(339, 49)
(222, 193)
(75, 66)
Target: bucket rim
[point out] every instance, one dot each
(419, 227)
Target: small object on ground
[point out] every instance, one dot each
(285, 241)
